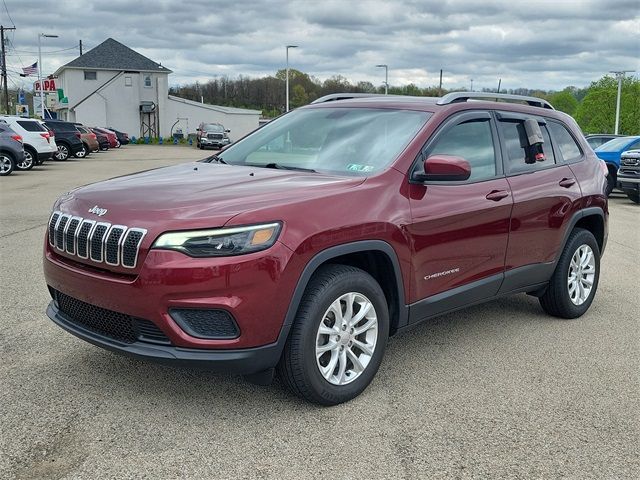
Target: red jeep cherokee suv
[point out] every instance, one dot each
(305, 245)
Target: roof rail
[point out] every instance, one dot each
(457, 97)
(345, 96)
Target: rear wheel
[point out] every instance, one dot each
(575, 280)
(28, 161)
(6, 164)
(611, 181)
(338, 339)
(63, 152)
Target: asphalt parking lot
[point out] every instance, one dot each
(495, 391)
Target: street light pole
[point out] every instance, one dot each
(386, 77)
(287, 75)
(619, 75)
(41, 35)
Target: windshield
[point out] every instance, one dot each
(616, 144)
(344, 141)
(213, 127)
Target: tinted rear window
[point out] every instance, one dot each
(31, 126)
(62, 127)
(565, 142)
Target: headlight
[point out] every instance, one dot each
(221, 242)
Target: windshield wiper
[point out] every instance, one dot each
(214, 158)
(285, 167)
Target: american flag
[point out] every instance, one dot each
(30, 70)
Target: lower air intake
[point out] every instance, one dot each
(211, 324)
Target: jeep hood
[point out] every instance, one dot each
(196, 195)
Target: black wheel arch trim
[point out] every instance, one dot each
(577, 216)
(338, 251)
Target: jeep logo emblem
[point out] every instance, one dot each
(98, 211)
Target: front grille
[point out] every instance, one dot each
(214, 136)
(117, 326)
(99, 241)
(205, 323)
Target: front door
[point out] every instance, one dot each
(459, 230)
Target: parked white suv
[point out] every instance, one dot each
(39, 145)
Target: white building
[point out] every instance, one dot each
(114, 86)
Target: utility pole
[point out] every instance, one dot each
(440, 84)
(619, 75)
(4, 68)
(80, 47)
(386, 77)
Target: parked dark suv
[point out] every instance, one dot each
(68, 138)
(305, 245)
(212, 135)
(629, 174)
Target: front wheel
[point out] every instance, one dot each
(27, 162)
(6, 164)
(338, 339)
(81, 153)
(575, 279)
(611, 182)
(63, 152)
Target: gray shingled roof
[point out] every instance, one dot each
(113, 55)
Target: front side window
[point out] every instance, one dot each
(338, 140)
(566, 144)
(515, 140)
(472, 141)
(90, 75)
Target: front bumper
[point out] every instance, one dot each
(210, 142)
(238, 361)
(255, 289)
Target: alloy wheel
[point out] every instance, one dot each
(82, 153)
(27, 163)
(5, 165)
(63, 152)
(346, 338)
(582, 272)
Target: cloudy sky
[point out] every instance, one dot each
(546, 44)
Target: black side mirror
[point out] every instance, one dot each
(227, 131)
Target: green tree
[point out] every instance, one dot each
(299, 97)
(564, 101)
(597, 111)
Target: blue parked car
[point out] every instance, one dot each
(610, 152)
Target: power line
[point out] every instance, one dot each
(47, 51)
(8, 14)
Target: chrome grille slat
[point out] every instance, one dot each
(100, 242)
(60, 228)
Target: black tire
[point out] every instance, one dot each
(634, 196)
(82, 153)
(63, 152)
(298, 367)
(28, 162)
(7, 164)
(611, 182)
(556, 300)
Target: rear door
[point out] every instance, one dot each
(545, 196)
(459, 230)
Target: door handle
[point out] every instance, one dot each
(497, 195)
(567, 182)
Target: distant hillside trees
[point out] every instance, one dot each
(592, 107)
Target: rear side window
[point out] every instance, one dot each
(62, 127)
(565, 142)
(472, 141)
(515, 140)
(31, 126)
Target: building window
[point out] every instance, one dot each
(147, 81)
(90, 75)
(127, 81)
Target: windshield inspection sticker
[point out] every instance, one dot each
(355, 167)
